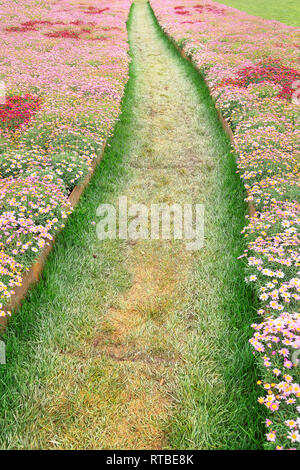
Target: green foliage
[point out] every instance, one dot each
(287, 12)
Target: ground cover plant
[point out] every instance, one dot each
(146, 356)
(252, 70)
(64, 65)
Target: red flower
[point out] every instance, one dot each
(267, 71)
(95, 11)
(18, 110)
(63, 34)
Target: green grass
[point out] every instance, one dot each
(287, 12)
(61, 390)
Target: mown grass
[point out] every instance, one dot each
(287, 12)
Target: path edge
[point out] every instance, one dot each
(225, 124)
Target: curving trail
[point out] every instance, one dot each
(172, 160)
(131, 352)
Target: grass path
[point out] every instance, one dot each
(141, 345)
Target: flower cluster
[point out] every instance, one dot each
(266, 71)
(17, 110)
(277, 341)
(251, 68)
(65, 66)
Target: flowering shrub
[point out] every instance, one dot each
(70, 168)
(30, 207)
(65, 65)
(274, 340)
(17, 110)
(266, 71)
(251, 67)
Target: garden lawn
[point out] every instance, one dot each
(287, 12)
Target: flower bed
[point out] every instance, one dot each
(65, 66)
(252, 70)
(17, 110)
